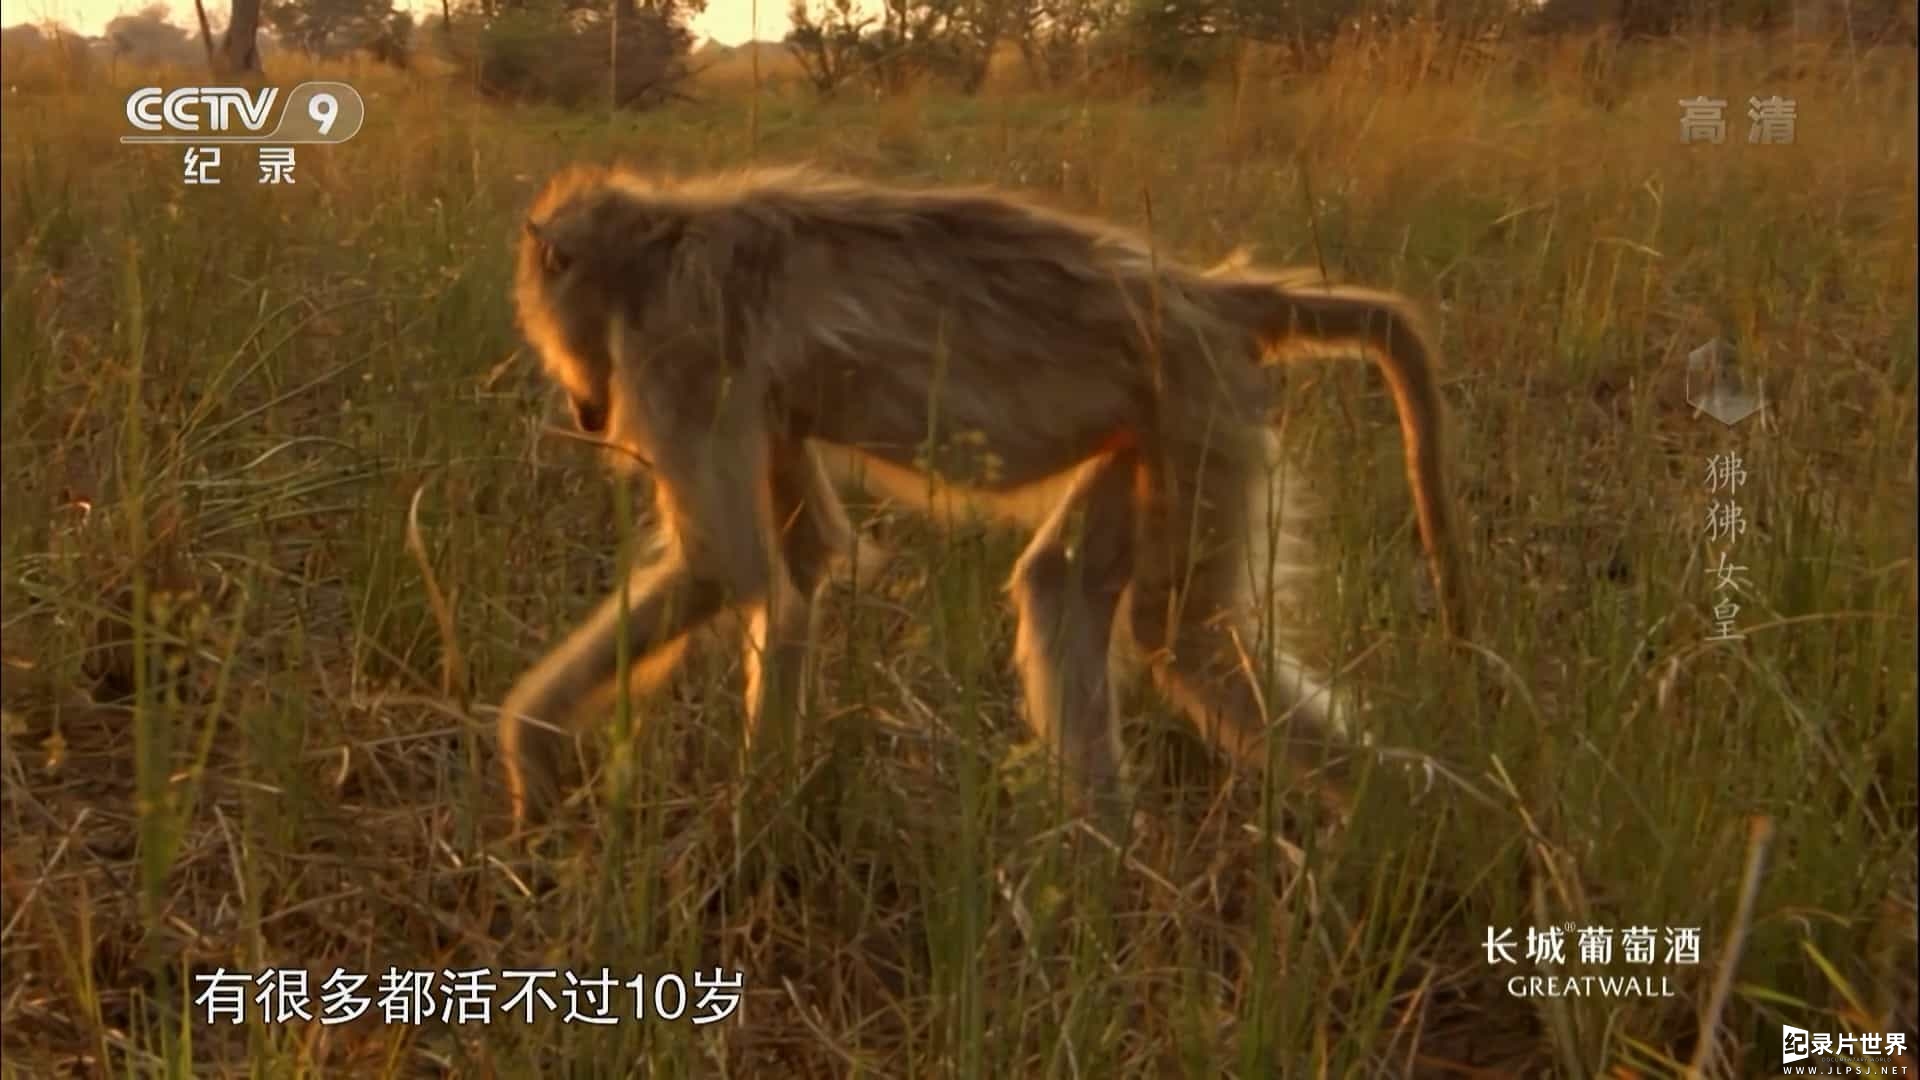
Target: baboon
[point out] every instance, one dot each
(731, 331)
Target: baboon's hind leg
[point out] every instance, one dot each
(1067, 591)
(1190, 607)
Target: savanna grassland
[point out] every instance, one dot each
(236, 737)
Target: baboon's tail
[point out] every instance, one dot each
(1292, 319)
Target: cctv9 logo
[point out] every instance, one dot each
(313, 112)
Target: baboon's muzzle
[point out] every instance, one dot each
(588, 416)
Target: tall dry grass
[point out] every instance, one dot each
(219, 401)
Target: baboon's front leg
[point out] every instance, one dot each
(813, 532)
(711, 486)
(661, 605)
(1067, 591)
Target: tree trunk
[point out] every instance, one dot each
(206, 35)
(240, 45)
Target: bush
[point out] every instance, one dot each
(568, 59)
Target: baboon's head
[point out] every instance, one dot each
(564, 308)
(582, 264)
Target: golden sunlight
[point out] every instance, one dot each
(730, 22)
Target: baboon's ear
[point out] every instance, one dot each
(554, 258)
